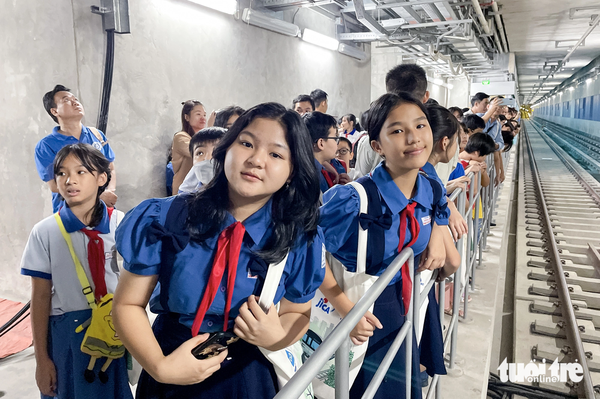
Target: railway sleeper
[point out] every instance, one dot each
(549, 289)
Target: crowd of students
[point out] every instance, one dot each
(253, 188)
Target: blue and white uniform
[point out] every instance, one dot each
(141, 241)
(339, 220)
(47, 256)
(47, 148)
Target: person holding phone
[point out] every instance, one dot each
(210, 252)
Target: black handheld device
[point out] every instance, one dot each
(214, 345)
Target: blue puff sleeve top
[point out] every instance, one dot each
(141, 239)
(340, 219)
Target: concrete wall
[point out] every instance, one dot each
(177, 51)
(385, 58)
(437, 92)
(459, 94)
(382, 60)
(582, 91)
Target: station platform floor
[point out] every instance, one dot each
(488, 324)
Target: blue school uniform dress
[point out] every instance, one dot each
(339, 220)
(183, 267)
(459, 171)
(47, 256)
(47, 148)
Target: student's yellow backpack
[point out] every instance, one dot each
(101, 339)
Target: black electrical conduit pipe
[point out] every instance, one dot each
(11, 323)
(109, 61)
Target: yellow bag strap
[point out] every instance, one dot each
(85, 283)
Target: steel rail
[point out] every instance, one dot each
(556, 137)
(561, 155)
(572, 330)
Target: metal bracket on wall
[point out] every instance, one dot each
(567, 43)
(115, 15)
(583, 15)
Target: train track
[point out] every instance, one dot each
(557, 278)
(584, 147)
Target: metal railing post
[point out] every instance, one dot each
(339, 337)
(478, 222)
(469, 271)
(342, 370)
(457, 290)
(405, 335)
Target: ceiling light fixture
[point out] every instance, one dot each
(261, 20)
(319, 39)
(225, 6)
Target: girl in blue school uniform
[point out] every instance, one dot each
(399, 131)
(58, 305)
(446, 136)
(210, 251)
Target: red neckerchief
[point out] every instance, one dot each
(96, 259)
(229, 246)
(408, 212)
(327, 178)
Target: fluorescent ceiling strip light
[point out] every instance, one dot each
(261, 20)
(320, 39)
(352, 51)
(226, 6)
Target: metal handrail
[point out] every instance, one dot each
(338, 340)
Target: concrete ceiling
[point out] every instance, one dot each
(533, 27)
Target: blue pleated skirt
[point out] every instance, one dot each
(432, 341)
(249, 375)
(64, 350)
(389, 309)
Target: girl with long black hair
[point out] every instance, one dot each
(261, 205)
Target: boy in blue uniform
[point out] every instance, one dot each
(66, 110)
(323, 132)
(202, 145)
